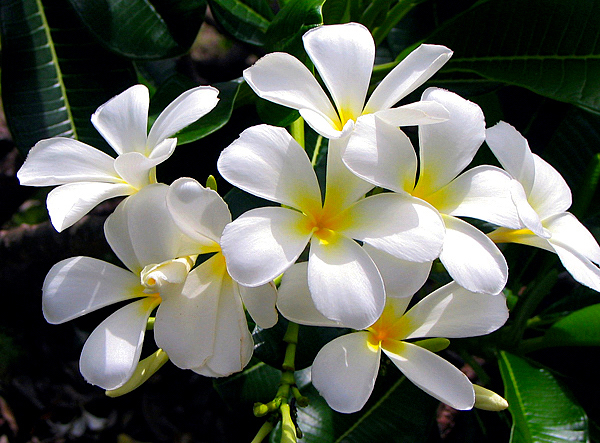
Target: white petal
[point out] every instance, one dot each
(550, 193)
(344, 282)
(568, 231)
(522, 236)
(418, 113)
(381, 154)
(184, 110)
(512, 151)
(68, 203)
(401, 278)
(135, 168)
(260, 303)
(433, 375)
(266, 161)
(141, 231)
(123, 120)
(455, 312)
(447, 148)
(262, 243)
(342, 187)
(198, 211)
(579, 266)
(283, 79)
(482, 192)
(78, 285)
(344, 371)
(527, 215)
(344, 56)
(401, 225)
(472, 259)
(112, 351)
(410, 73)
(61, 160)
(294, 300)
(185, 324)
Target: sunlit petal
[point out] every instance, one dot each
(345, 370)
(418, 113)
(550, 193)
(569, 231)
(135, 168)
(260, 303)
(527, 215)
(579, 266)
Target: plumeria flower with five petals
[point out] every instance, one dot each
(200, 321)
(542, 198)
(383, 155)
(344, 56)
(345, 369)
(262, 243)
(87, 176)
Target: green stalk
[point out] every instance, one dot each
(395, 14)
(297, 130)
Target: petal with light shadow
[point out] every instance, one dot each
(472, 259)
(432, 374)
(344, 371)
(78, 285)
(579, 266)
(123, 120)
(527, 215)
(454, 312)
(266, 161)
(63, 160)
(262, 243)
(112, 351)
(294, 300)
(68, 203)
(403, 226)
(345, 284)
(184, 110)
(260, 303)
(135, 168)
(407, 76)
(550, 193)
(418, 113)
(569, 231)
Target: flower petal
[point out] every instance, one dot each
(550, 193)
(407, 76)
(472, 259)
(569, 231)
(123, 120)
(60, 160)
(344, 371)
(260, 303)
(344, 56)
(185, 324)
(294, 300)
(184, 110)
(455, 312)
(527, 215)
(418, 113)
(401, 225)
(447, 148)
(344, 282)
(136, 169)
(78, 285)
(198, 211)
(401, 278)
(266, 161)
(112, 351)
(68, 203)
(482, 192)
(283, 79)
(579, 266)
(262, 243)
(381, 154)
(433, 374)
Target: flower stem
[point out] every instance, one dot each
(297, 130)
(264, 431)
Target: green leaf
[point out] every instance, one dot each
(257, 383)
(547, 46)
(246, 20)
(336, 11)
(542, 410)
(143, 29)
(54, 75)
(580, 328)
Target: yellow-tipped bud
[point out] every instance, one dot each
(144, 370)
(488, 400)
(211, 183)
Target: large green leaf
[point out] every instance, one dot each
(257, 383)
(246, 20)
(143, 29)
(547, 46)
(542, 410)
(580, 328)
(54, 75)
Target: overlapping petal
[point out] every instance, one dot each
(579, 266)
(567, 230)
(550, 193)
(260, 303)
(345, 370)
(527, 215)
(418, 113)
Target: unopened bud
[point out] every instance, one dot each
(488, 400)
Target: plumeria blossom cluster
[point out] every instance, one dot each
(350, 252)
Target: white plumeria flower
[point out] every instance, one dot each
(344, 56)
(87, 176)
(200, 322)
(262, 243)
(542, 198)
(345, 369)
(383, 155)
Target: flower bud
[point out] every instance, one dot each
(488, 400)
